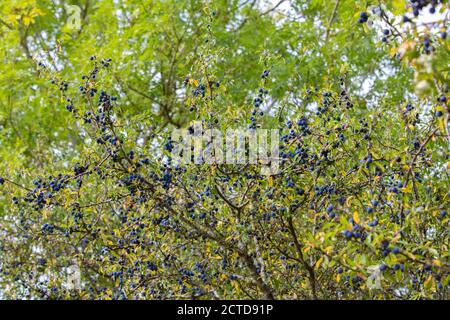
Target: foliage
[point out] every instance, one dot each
(357, 92)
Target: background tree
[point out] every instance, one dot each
(358, 92)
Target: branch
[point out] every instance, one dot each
(330, 22)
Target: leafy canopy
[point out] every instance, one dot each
(91, 205)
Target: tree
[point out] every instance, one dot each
(358, 209)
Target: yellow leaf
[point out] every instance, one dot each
(436, 262)
(406, 190)
(13, 19)
(442, 125)
(348, 202)
(37, 12)
(356, 217)
(193, 82)
(270, 181)
(344, 68)
(427, 284)
(319, 262)
(399, 6)
(27, 20)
